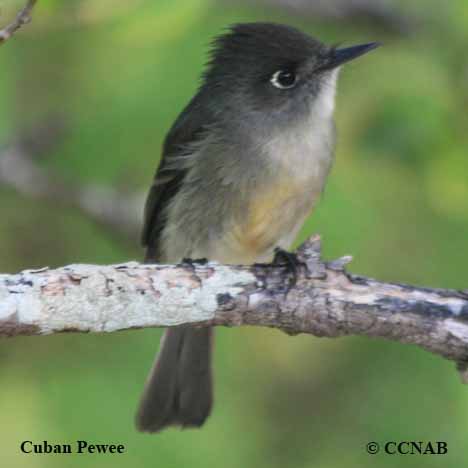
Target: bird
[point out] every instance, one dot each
(242, 167)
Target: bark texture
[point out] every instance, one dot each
(325, 301)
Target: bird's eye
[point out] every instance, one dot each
(284, 79)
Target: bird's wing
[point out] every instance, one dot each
(171, 172)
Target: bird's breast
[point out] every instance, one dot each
(271, 217)
(292, 169)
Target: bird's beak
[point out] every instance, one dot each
(338, 57)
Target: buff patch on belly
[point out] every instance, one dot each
(272, 215)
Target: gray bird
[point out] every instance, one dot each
(242, 167)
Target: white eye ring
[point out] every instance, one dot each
(284, 79)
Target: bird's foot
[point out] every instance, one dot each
(192, 262)
(292, 264)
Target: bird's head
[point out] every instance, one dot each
(275, 71)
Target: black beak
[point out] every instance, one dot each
(339, 56)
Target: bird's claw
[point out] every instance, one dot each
(191, 262)
(292, 264)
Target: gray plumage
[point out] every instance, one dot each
(242, 167)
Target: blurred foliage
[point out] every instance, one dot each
(120, 71)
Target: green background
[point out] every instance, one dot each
(397, 200)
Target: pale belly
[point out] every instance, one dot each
(271, 219)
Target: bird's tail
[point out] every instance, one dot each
(179, 388)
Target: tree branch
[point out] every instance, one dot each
(326, 301)
(106, 206)
(22, 18)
